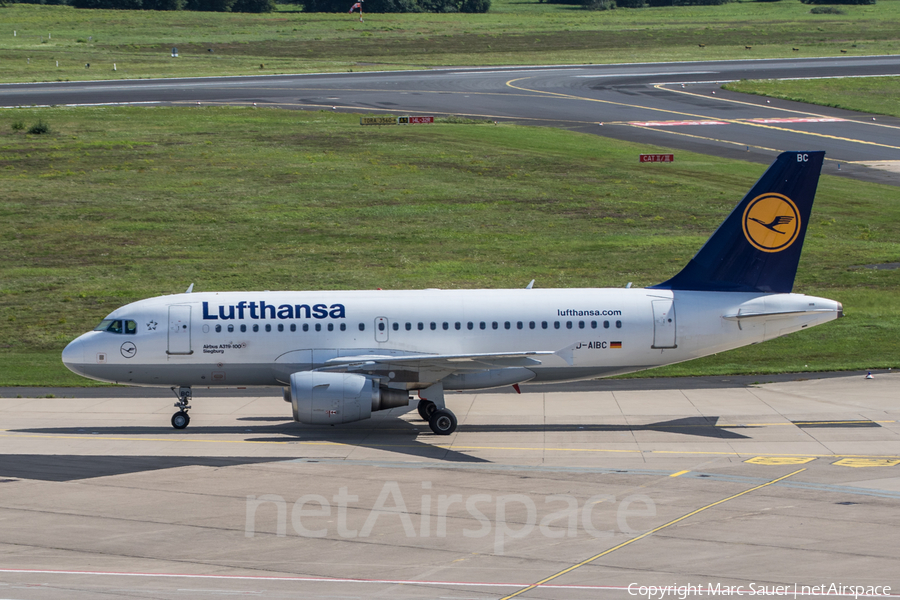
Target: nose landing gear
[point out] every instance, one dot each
(180, 420)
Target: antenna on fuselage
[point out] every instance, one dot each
(530, 285)
(190, 289)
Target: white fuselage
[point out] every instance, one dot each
(261, 338)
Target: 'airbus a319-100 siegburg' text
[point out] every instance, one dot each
(340, 355)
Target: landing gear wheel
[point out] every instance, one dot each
(442, 422)
(426, 409)
(180, 420)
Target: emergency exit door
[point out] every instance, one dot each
(381, 329)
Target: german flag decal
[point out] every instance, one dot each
(615, 344)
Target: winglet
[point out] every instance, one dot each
(757, 248)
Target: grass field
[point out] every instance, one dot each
(139, 43)
(878, 95)
(117, 204)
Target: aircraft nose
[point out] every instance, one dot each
(73, 354)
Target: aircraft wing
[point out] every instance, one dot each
(453, 363)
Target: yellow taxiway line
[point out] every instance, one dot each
(647, 534)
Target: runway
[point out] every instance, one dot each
(671, 105)
(589, 492)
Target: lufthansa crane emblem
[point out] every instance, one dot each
(771, 222)
(128, 350)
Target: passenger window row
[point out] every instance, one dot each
(496, 325)
(433, 326)
(280, 327)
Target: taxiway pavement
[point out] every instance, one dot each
(669, 105)
(563, 493)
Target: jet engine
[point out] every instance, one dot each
(320, 398)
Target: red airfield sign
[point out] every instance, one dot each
(657, 158)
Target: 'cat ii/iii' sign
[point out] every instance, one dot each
(395, 120)
(657, 158)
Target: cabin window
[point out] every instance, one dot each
(555, 324)
(446, 326)
(531, 324)
(483, 325)
(218, 329)
(543, 324)
(381, 326)
(343, 327)
(618, 324)
(580, 324)
(605, 324)
(433, 325)
(318, 327)
(243, 328)
(506, 325)
(568, 324)
(470, 325)
(495, 325)
(331, 327)
(306, 327)
(293, 327)
(281, 327)
(231, 329)
(458, 325)
(593, 324)
(396, 326)
(362, 326)
(255, 327)
(409, 326)
(268, 328)
(421, 326)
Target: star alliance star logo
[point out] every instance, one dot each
(151, 326)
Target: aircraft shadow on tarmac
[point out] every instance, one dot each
(398, 436)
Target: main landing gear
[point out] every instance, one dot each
(441, 420)
(180, 420)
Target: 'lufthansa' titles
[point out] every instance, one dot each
(262, 310)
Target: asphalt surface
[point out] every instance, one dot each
(549, 494)
(671, 105)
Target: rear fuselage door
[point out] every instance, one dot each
(381, 329)
(179, 329)
(664, 323)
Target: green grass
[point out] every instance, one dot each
(117, 204)
(514, 32)
(878, 95)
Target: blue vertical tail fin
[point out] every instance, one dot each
(757, 248)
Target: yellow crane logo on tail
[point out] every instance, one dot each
(771, 222)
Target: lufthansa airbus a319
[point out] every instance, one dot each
(340, 355)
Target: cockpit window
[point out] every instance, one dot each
(117, 326)
(104, 325)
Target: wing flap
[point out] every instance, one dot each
(444, 362)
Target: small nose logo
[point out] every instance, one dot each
(128, 350)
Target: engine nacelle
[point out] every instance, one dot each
(319, 398)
